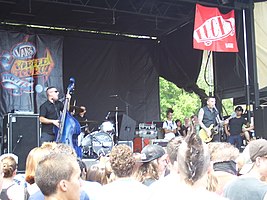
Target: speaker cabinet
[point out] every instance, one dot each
(260, 122)
(21, 133)
(127, 128)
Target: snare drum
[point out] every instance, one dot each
(107, 127)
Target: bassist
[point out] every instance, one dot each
(50, 114)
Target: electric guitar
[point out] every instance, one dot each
(204, 136)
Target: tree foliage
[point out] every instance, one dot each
(184, 104)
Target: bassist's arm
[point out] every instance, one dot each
(44, 120)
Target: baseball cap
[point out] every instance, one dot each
(151, 152)
(239, 108)
(256, 148)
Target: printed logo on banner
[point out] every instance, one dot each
(21, 68)
(214, 31)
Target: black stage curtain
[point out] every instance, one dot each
(103, 68)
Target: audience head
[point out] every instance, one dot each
(83, 168)
(193, 159)
(96, 173)
(173, 147)
(223, 156)
(122, 160)
(35, 155)
(64, 148)
(154, 162)
(255, 155)
(169, 113)
(9, 167)
(1, 176)
(58, 175)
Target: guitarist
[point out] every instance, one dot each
(207, 116)
(50, 114)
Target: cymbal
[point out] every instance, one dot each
(88, 121)
(116, 111)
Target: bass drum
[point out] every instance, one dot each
(102, 143)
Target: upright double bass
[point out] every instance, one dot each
(69, 127)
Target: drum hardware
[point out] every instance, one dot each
(88, 121)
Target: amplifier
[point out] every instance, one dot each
(21, 133)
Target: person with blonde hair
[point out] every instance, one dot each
(223, 156)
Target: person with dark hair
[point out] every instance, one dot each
(179, 129)
(169, 126)
(171, 182)
(124, 186)
(10, 189)
(50, 114)
(208, 116)
(235, 127)
(58, 176)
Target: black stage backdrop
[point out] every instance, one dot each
(103, 68)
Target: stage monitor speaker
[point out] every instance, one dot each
(127, 128)
(260, 118)
(21, 133)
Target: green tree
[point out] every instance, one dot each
(183, 103)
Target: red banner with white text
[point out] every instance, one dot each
(214, 31)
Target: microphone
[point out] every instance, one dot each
(107, 115)
(113, 95)
(72, 80)
(19, 138)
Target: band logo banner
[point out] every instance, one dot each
(214, 31)
(28, 65)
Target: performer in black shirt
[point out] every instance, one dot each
(50, 114)
(236, 127)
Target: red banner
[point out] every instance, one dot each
(214, 31)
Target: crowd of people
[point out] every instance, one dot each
(187, 167)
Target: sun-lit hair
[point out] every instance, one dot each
(9, 166)
(53, 168)
(122, 160)
(193, 159)
(222, 151)
(35, 155)
(64, 148)
(147, 170)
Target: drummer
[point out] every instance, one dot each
(81, 118)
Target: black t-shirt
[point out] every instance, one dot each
(235, 125)
(50, 110)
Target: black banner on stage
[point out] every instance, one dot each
(28, 65)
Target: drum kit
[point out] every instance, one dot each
(98, 143)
